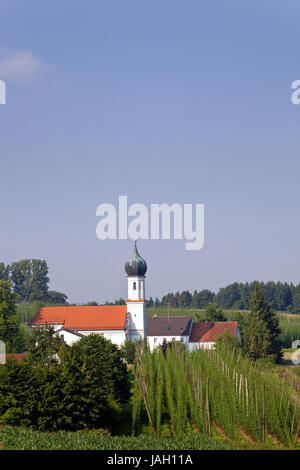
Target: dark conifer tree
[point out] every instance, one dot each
(262, 338)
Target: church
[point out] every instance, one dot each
(120, 323)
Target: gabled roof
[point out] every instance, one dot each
(208, 332)
(88, 318)
(169, 326)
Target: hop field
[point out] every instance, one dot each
(209, 391)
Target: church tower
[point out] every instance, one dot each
(136, 268)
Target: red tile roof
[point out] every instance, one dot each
(208, 332)
(100, 317)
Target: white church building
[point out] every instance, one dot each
(120, 323)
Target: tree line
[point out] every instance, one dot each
(29, 280)
(237, 296)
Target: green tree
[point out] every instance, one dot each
(176, 299)
(57, 298)
(39, 280)
(30, 280)
(65, 387)
(120, 301)
(96, 382)
(229, 296)
(213, 313)
(31, 396)
(185, 299)
(21, 278)
(295, 306)
(202, 298)
(44, 346)
(168, 300)
(227, 341)
(150, 302)
(241, 319)
(128, 350)
(4, 272)
(9, 319)
(263, 332)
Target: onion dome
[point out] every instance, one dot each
(136, 265)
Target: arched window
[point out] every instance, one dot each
(134, 286)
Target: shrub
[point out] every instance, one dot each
(227, 341)
(86, 387)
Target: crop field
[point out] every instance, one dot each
(14, 438)
(200, 400)
(209, 392)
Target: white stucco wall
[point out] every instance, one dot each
(155, 341)
(138, 292)
(136, 321)
(68, 337)
(198, 345)
(115, 336)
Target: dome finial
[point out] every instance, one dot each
(136, 265)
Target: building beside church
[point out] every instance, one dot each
(205, 334)
(167, 328)
(120, 323)
(184, 329)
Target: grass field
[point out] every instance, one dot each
(163, 311)
(296, 371)
(14, 438)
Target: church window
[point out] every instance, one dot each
(134, 286)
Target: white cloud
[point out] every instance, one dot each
(20, 65)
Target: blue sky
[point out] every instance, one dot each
(172, 101)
